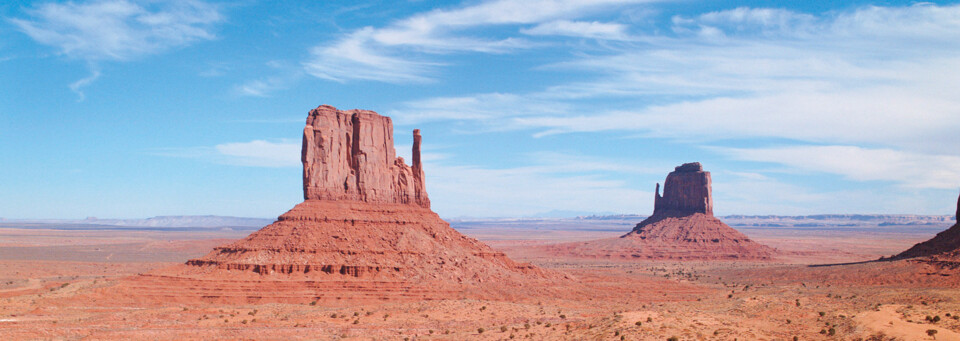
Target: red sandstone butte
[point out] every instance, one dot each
(682, 227)
(365, 231)
(349, 155)
(943, 249)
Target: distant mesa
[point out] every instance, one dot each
(365, 231)
(682, 227)
(943, 249)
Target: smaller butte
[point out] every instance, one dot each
(682, 227)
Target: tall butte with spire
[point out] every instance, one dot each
(364, 231)
(944, 248)
(682, 227)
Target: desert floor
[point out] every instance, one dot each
(44, 273)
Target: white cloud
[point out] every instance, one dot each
(396, 53)
(357, 57)
(584, 29)
(836, 78)
(256, 153)
(77, 87)
(490, 108)
(266, 86)
(260, 153)
(861, 164)
(119, 29)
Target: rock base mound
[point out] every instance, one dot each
(341, 250)
(672, 237)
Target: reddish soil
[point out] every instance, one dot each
(691, 300)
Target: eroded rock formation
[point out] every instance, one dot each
(686, 190)
(682, 227)
(365, 231)
(349, 155)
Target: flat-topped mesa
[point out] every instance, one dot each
(349, 155)
(686, 190)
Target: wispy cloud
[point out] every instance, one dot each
(256, 153)
(861, 164)
(583, 29)
(260, 153)
(833, 78)
(399, 52)
(77, 87)
(118, 30)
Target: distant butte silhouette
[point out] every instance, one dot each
(364, 231)
(943, 248)
(682, 227)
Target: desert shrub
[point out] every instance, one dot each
(483, 308)
(563, 316)
(649, 319)
(639, 323)
(831, 331)
(503, 329)
(932, 332)
(673, 338)
(480, 330)
(822, 314)
(356, 321)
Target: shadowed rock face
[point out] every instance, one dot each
(945, 246)
(349, 155)
(686, 191)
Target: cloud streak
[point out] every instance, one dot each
(119, 29)
(402, 51)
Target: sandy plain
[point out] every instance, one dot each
(46, 274)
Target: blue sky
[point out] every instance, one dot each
(139, 108)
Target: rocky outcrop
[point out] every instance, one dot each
(944, 247)
(686, 191)
(365, 231)
(349, 155)
(682, 227)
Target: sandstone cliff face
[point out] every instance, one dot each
(686, 190)
(349, 155)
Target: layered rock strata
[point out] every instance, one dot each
(365, 231)
(682, 227)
